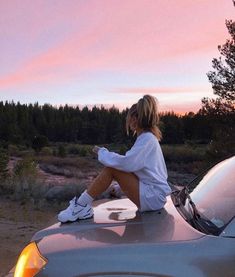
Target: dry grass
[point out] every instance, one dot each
(185, 158)
(18, 222)
(82, 163)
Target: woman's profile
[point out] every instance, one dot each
(141, 172)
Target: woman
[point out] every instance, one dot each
(141, 172)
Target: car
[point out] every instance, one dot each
(193, 235)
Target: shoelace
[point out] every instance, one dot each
(73, 203)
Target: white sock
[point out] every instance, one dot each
(85, 199)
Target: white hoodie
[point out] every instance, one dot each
(144, 159)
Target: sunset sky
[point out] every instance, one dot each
(88, 52)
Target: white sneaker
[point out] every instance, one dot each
(75, 211)
(116, 191)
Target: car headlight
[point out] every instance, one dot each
(30, 261)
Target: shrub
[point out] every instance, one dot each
(80, 150)
(183, 153)
(25, 167)
(39, 142)
(73, 149)
(4, 175)
(61, 151)
(24, 180)
(4, 159)
(13, 150)
(47, 151)
(222, 146)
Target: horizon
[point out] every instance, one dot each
(111, 53)
(90, 107)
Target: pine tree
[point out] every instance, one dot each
(223, 77)
(222, 109)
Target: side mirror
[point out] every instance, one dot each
(229, 230)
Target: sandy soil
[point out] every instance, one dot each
(18, 222)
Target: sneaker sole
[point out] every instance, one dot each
(75, 219)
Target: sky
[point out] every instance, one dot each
(110, 52)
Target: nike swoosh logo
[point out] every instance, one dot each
(77, 212)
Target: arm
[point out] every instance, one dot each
(132, 161)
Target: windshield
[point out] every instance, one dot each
(214, 194)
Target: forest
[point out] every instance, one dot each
(23, 124)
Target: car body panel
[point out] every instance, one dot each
(229, 230)
(120, 241)
(214, 195)
(203, 257)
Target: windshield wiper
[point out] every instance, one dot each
(198, 221)
(184, 195)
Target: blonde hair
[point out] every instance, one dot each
(146, 112)
(131, 113)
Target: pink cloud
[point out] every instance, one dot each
(159, 90)
(131, 36)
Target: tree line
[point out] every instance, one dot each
(20, 124)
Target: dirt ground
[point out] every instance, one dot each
(18, 223)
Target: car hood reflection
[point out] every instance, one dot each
(117, 222)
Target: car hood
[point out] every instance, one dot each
(117, 222)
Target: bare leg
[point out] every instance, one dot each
(128, 182)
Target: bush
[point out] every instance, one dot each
(222, 146)
(4, 159)
(39, 142)
(61, 151)
(183, 153)
(25, 183)
(4, 175)
(13, 150)
(73, 149)
(25, 169)
(80, 150)
(47, 151)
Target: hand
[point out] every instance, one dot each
(96, 149)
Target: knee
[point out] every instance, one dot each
(108, 169)
(111, 171)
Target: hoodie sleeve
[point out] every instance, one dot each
(132, 161)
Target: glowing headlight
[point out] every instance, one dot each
(30, 261)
